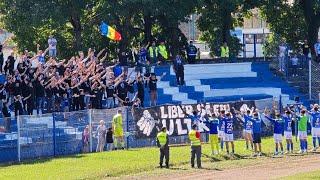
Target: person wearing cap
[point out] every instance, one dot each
(101, 135)
(256, 130)
(191, 53)
(278, 130)
(163, 144)
(117, 126)
(195, 139)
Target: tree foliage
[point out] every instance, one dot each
(75, 22)
(218, 18)
(293, 22)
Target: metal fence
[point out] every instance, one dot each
(58, 134)
(305, 76)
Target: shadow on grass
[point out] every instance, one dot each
(41, 160)
(212, 158)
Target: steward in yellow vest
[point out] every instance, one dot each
(224, 52)
(153, 53)
(163, 53)
(163, 144)
(194, 137)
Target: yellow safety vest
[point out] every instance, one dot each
(224, 52)
(117, 121)
(163, 51)
(193, 139)
(162, 138)
(151, 51)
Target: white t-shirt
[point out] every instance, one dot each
(282, 50)
(52, 42)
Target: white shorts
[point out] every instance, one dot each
(277, 138)
(221, 134)
(247, 131)
(228, 137)
(288, 134)
(302, 134)
(315, 132)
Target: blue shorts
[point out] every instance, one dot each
(256, 137)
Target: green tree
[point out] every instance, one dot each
(218, 18)
(293, 22)
(75, 22)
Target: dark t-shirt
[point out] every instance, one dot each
(110, 91)
(153, 84)
(11, 62)
(109, 137)
(39, 89)
(305, 49)
(1, 57)
(140, 86)
(17, 90)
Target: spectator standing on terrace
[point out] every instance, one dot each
(178, 68)
(191, 53)
(52, 42)
(101, 135)
(140, 87)
(305, 51)
(152, 81)
(153, 53)
(41, 54)
(282, 56)
(163, 53)
(117, 126)
(294, 63)
(224, 50)
(9, 66)
(1, 57)
(317, 50)
(7, 116)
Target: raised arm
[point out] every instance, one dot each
(100, 52)
(163, 74)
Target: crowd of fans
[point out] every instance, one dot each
(46, 84)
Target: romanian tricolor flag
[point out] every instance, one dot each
(110, 32)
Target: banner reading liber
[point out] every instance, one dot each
(177, 117)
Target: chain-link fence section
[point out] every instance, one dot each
(315, 82)
(9, 140)
(68, 130)
(35, 136)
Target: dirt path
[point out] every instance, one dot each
(269, 168)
